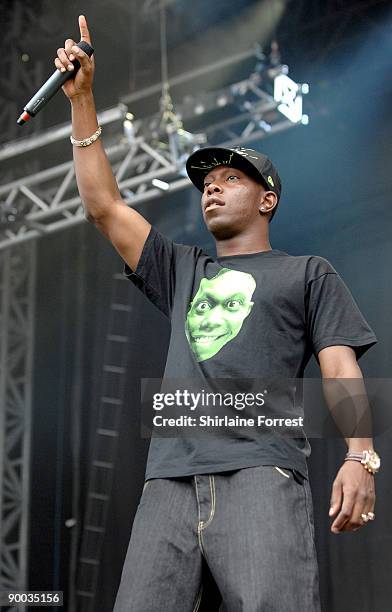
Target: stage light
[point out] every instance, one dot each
(129, 130)
(199, 109)
(160, 184)
(305, 119)
(267, 127)
(221, 101)
(305, 88)
(287, 93)
(277, 71)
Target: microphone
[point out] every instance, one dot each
(51, 86)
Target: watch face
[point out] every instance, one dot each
(373, 460)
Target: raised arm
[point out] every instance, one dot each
(123, 226)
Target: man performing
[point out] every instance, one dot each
(240, 503)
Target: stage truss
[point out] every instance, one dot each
(142, 150)
(17, 282)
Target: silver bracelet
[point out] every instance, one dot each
(86, 141)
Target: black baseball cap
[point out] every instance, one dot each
(253, 163)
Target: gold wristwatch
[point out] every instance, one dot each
(369, 459)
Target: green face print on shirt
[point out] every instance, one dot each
(218, 310)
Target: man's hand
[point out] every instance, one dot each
(353, 494)
(83, 81)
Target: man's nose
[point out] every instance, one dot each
(214, 187)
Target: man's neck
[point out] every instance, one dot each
(242, 245)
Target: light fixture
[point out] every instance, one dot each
(288, 95)
(267, 127)
(199, 109)
(160, 184)
(129, 130)
(221, 101)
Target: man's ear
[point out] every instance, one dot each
(268, 202)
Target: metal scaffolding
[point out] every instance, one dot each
(17, 280)
(142, 150)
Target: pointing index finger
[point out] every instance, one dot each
(84, 33)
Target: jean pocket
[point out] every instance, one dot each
(284, 473)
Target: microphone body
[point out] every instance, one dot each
(51, 87)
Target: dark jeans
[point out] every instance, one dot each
(253, 528)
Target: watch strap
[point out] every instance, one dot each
(363, 458)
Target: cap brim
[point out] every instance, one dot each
(202, 161)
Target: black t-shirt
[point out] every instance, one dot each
(242, 316)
